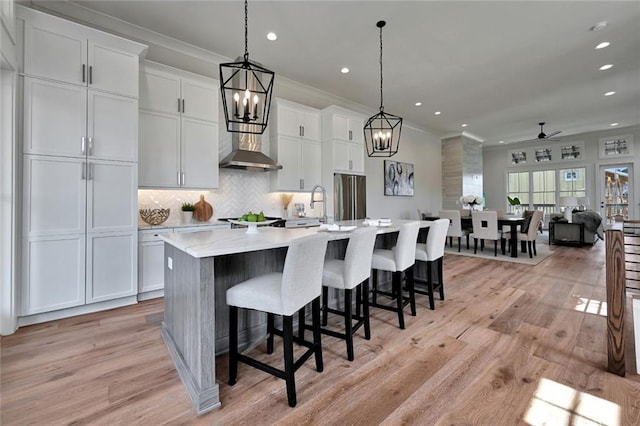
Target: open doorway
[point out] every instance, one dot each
(616, 192)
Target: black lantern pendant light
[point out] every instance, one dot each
(382, 131)
(246, 89)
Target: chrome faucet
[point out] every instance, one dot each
(323, 219)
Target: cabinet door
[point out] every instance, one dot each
(356, 154)
(55, 118)
(289, 122)
(289, 155)
(311, 126)
(113, 127)
(54, 270)
(112, 266)
(54, 195)
(311, 164)
(340, 127)
(341, 156)
(356, 134)
(151, 268)
(159, 150)
(112, 196)
(55, 50)
(112, 70)
(200, 100)
(159, 91)
(199, 154)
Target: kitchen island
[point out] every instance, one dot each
(199, 268)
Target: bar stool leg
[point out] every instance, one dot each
(411, 288)
(325, 305)
(441, 277)
(287, 336)
(233, 345)
(358, 299)
(348, 332)
(375, 286)
(396, 280)
(301, 321)
(317, 343)
(365, 309)
(432, 303)
(270, 328)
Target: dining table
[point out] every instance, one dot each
(511, 221)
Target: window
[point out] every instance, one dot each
(543, 190)
(519, 157)
(571, 152)
(573, 182)
(518, 186)
(543, 154)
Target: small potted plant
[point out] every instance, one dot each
(515, 203)
(187, 212)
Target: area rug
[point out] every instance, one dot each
(543, 249)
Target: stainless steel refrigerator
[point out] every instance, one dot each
(349, 196)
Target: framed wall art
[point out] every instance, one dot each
(398, 178)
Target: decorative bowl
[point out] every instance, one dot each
(154, 216)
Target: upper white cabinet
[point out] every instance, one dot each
(178, 143)
(71, 53)
(343, 140)
(295, 143)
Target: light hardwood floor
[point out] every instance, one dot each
(511, 344)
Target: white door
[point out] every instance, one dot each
(340, 127)
(200, 100)
(289, 155)
(112, 127)
(289, 122)
(340, 156)
(58, 52)
(311, 164)
(54, 195)
(112, 70)
(311, 125)
(356, 151)
(54, 273)
(159, 91)
(112, 197)
(199, 154)
(55, 118)
(151, 269)
(616, 192)
(112, 266)
(159, 150)
(356, 134)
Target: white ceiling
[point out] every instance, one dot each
(501, 67)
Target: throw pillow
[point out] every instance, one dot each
(524, 228)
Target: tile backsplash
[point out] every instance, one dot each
(239, 192)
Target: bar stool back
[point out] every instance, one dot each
(432, 252)
(399, 259)
(282, 294)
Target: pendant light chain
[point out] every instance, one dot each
(246, 30)
(381, 103)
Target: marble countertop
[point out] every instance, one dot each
(179, 224)
(218, 242)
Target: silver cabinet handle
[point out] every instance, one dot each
(183, 105)
(182, 174)
(301, 183)
(83, 145)
(90, 169)
(178, 176)
(350, 135)
(90, 146)
(178, 104)
(83, 172)
(299, 130)
(90, 74)
(350, 164)
(84, 72)
(302, 130)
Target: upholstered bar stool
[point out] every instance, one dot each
(351, 273)
(432, 252)
(283, 294)
(399, 259)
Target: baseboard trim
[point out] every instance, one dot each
(78, 310)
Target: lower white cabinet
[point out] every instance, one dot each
(111, 266)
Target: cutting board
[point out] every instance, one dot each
(203, 210)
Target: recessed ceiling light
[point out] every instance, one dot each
(599, 26)
(344, 70)
(603, 45)
(437, 113)
(606, 67)
(610, 93)
(500, 141)
(464, 125)
(272, 36)
(418, 103)
(614, 124)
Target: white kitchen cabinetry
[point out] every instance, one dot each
(151, 258)
(79, 169)
(343, 140)
(178, 129)
(295, 143)
(64, 51)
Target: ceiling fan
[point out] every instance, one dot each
(543, 136)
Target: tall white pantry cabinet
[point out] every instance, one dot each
(80, 145)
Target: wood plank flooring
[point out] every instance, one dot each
(511, 344)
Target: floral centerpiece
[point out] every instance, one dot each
(471, 201)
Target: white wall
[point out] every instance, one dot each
(496, 164)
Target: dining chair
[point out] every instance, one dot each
(398, 260)
(529, 231)
(455, 227)
(485, 227)
(432, 253)
(282, 293)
